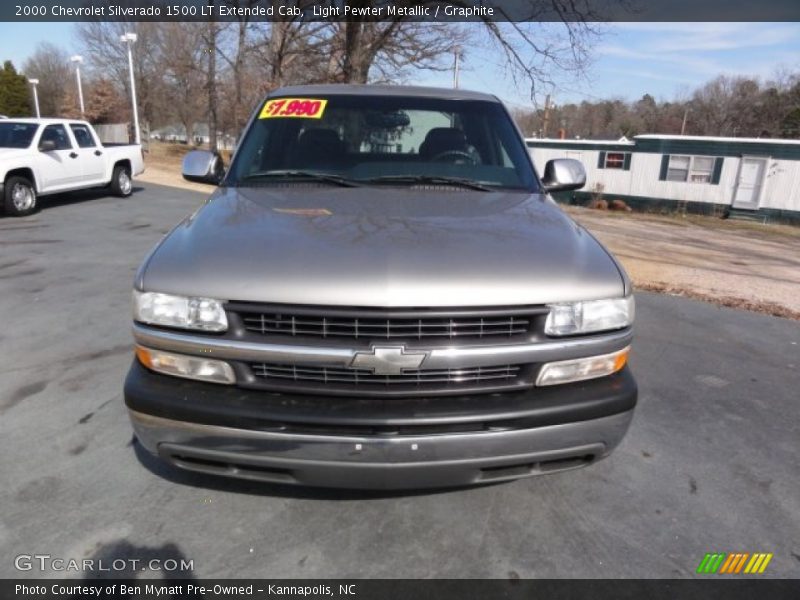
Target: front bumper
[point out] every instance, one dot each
(388, 443)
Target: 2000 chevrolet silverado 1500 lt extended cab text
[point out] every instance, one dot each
(47, 156)
(381, 294)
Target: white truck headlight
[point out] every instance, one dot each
(205, 314)
(592, 315)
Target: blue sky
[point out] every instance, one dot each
(630, 59)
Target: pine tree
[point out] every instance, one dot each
(15, 98)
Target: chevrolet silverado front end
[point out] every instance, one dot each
(381, 294)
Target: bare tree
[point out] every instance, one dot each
(533, 51)
(50, 65)
(539, 55)
(100, 42)
(362, 51)
(720, 107)
(291, 50)
(183, 51)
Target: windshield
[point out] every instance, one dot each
(385, 140)
(16, 135)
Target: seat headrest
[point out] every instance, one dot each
(312, 137)
(443, 139)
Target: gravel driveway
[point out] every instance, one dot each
(748, 262)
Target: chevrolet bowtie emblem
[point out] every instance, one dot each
(388, 360)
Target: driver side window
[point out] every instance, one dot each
(57, 134)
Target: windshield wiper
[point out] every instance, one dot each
(291, 174)
(433, 179)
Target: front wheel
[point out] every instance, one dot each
(121, 182)
(19, 197)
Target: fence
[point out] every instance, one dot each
(113, 133)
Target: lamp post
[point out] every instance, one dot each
(78, 60)
(129, 39)
(34, 83)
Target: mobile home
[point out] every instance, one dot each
(713, 175)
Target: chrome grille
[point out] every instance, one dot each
(357, 377)
(387, 325)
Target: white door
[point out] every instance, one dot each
(57, 169)
(90, 154)
(750, 182)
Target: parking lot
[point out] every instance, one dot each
(709, 465)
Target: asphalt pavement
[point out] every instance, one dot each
(710, 464)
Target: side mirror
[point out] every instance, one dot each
(47, 146)
(202, 166)
(563, 174)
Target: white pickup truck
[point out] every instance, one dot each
(47, 156)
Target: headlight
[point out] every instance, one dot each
(205, 314)
(592, 315)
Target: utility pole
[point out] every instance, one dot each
(456, 65)
(546, 117)
(685, 116)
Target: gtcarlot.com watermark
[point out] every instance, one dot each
(47, 562)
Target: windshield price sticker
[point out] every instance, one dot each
(305, 108)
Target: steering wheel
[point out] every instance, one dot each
(454, 155)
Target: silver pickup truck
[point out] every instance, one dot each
(381, 294)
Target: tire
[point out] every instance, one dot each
(121, 182)
(19, 197)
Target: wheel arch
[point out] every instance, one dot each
(123, 162)
(26, 172)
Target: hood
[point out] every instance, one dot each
(381, 247)
(11, 153)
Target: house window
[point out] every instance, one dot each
(678, 169)
(701, 169)
(615, 160)
(691, 169)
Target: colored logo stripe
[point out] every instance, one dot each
(758, 564)
(733, 563)
(711, 562)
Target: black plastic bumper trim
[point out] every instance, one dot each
(206, 403)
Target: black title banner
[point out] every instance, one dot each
(397, 589)
(395, 10)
